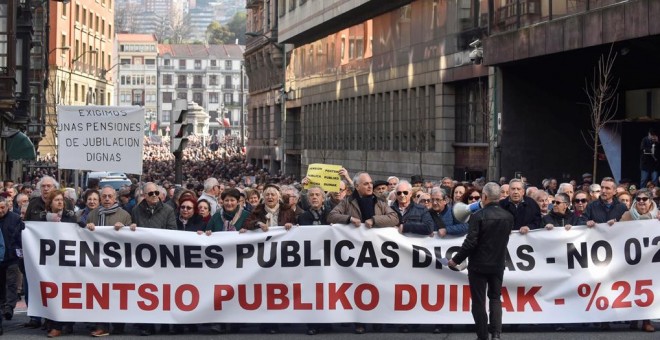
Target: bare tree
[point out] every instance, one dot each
(602, 93)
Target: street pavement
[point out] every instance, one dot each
(13, 329)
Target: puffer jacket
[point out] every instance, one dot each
(160, 216)
(416, 219)
(384, 216)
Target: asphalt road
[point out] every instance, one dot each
(13, 329)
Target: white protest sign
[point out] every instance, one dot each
(100, 138)
(335, 273)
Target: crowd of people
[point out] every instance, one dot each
(217, 198)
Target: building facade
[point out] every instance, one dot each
(209, 75)
(136, 75)
(81, 42)
(446, 88)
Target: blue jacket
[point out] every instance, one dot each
(600, 212)
(452, 226)
(11, 227)
(527, 213)
(416, 219)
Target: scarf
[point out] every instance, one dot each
(272, 215)
(107, 211)
(316, 214)
(648, 216)
(231, 218)
(84, 214)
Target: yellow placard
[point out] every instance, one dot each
(324, 175)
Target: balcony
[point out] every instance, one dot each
(197, 86)
(167, 68)
(181, 86)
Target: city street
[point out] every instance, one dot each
(14, 330)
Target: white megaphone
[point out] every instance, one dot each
(463, 211)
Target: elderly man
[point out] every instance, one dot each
(317, 214)
(443, 216)
(211, 192)
(526, 213)
(20, 200)
(594, 191)
(37, 205)
(11, 227)
(486, 247)
(392, 181)
(380, 189)
(413, 218)
(606, 209)
(363, 207)
(335, 197)
(566, 188)
(109, 213)
(504, 191)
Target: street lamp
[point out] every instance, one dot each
(282, 49)
(73, 64)
(63, 48)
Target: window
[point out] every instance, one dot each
(214, 62)
(471, 123)
(77, 13)
(228, 64)
(182, 95)
(213, 97)
(198, 64)
(182, 64)
(109, 31)
(228, 99)
(150, 62)
(167, 79)
(213, 80)
(198, 98)
(197, 81)
(64, 9)
(84, 16)
(166, 62)
(63, 40)
(227, 82)
(167, 97)
(181, 81)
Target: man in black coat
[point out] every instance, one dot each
(11, 227)
(486, 247)
(526, 212)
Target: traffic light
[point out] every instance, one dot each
(179, 126)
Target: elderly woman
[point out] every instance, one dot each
(230, 217)
(56, 212)
(272, 212)
(643, 209)
(459, 191)
(187, 218)
(204, 210)
(625, 198)
(92, 200)
(580, 201)
(253, 197)
(560, 216)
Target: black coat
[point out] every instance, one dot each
(487, 239)
(11, 226)
(527, 213)
(559, 220)
(599, 212)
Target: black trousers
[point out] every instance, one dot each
(482, 285)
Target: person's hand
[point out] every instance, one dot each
(400, 228)
(287, 226)
(356, 221)
(199, 232)
(568, 227)
(133, 227)
(369, 223)
(524, 230)
(91, 226)
(451, 263)
(305, 181)
(208, 232)
(242, 230)
(343, 173)
(611, 222)
(442, 232)
(264, 227)
(118, 226)
(549, 226)
(591, 224)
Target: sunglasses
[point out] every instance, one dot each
(186, 207)
(474, 198)
(425, 201)
(153, 193)
(641, 199)
(581, 200)
(404, 193)
(557, 202)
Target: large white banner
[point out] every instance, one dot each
(335, 273)
(100, 138)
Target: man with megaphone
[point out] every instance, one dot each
(485, 245)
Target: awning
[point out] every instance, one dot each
(19, 146)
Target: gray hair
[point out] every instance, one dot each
(594, 187)
(210, 182)
(492, 191)
(564, 197)
(290, 189)
(70, 193)
(48, 178)
(356, 178)
(563, 186)
(113, 190)
(517, 180)
(404, 182)
(439, 190)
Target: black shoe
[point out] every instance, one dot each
(145, 332)
(359, 330)
(312, 331)
(377, 327)
(32, 324)
(495, 336)
(404, 329)
(437, 330)
(67, 329)
(7, 315)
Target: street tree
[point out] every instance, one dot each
(602, 93)
(237, 26)
(216, 33)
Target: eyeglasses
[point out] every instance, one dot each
(425, 201)
(153, 193)
(107, 196)
(437, 199)
(641, 199)
(557, 202)
(474, 198)
(581, 200)
(404, 193)
(186, 207)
